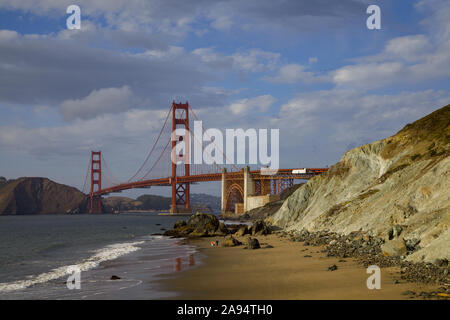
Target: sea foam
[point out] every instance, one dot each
(107, 253)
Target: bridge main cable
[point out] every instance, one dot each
(152, 149)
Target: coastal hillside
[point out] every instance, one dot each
(199, 202)
(144, 202)
(399, 185)
(40, 196)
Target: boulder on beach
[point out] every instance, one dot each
(231, 242)
(198, 225)
(241, 231)
(222, 230)
(179, 224)
(260, 228)
(393, 248)
(252, 243)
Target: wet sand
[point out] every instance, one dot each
(281, 272)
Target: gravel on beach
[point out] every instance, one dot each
(367, 250)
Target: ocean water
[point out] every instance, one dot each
(36, 251)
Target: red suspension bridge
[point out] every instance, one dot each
(238, 184)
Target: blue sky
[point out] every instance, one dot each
(310, 68)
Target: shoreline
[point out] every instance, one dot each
(290, 270)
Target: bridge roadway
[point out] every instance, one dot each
(234, 175)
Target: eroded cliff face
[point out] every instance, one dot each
(40, 196)
(402, 180)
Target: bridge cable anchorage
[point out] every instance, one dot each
(153, 147)
(204, 131)
(159, 158)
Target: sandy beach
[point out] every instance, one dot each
(289, 270)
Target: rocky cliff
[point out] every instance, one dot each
(399, 183)
(40, 196)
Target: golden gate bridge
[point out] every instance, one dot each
(158, 169)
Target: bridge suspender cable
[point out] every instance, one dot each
(221, 151)
(148, 172)
(153, 148)
(113, 177)
(86, 178)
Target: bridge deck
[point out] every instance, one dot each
(236, 175)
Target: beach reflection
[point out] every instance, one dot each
(179, 262)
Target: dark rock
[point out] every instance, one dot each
(260, 228)
(179, 232)
(198, 225)
(332, 268)
(252, 243)
(241, 232)
(408, 293)
(222, 230)
(395, 232)
(307, 256)
(245, 216)
(411, 244)
(203, 223)
(231, 242)
(268, 246)
(179, 224)
(114, 277)
(441, 262)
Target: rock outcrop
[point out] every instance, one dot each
(403, 181)
(231, 242)
(252, 243)
(198, 225)
(40, 196)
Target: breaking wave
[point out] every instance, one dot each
(107, 253)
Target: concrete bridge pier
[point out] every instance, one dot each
(236, 191)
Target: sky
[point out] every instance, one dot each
(309, 68)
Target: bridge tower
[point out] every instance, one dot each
(180, 191)
(96, 182)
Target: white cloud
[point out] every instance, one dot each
(253, 60)
(175, 17)
(256, 60)
(245, 106)
(114, 131)
(411, 59)
(8, 35)
(107, 100)
(367, 113)
(409, 48)
(367, 75)
(293, 73)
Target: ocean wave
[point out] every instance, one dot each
(107, 253)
